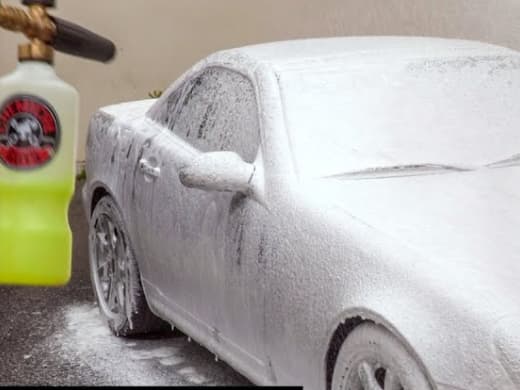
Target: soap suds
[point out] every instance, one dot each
(86, 340)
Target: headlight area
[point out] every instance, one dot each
(507, 346)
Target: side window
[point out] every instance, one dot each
(218, 111)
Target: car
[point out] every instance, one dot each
(337, 213)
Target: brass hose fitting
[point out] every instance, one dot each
(36, 25)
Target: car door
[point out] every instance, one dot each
(228, 238)
(202, 271)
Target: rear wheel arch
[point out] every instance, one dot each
(99, 193)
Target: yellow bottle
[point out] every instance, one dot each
(38, 134)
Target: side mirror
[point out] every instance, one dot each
(218, 171)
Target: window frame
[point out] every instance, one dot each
(186, 83)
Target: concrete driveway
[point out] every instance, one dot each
(57, 337)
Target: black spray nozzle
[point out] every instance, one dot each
(60, 34)
(78, 41)
(45, 3)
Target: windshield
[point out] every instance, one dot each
(457, 112)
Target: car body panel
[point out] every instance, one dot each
(268, 278)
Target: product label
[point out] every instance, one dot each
(29, 132)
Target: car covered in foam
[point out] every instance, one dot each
(335, 213)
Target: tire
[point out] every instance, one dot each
(372, 358)
(115, 275)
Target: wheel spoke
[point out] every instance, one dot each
(103, 226)
(120, 254)
(112, 235)
(103, 265)
(112, 296)
(392, 381)
(368, 377)
(107, 233)
(122, 261)
(102, 239)
(117, 291)
(127, 274)
(105, 290)
(121, 295)
(103, 255)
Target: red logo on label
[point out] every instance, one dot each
(29, 132)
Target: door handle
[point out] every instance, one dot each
(149, 169)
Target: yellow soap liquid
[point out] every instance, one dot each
(35, 237)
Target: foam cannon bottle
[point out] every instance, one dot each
(38, 131)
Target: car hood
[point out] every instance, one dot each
(468, 220)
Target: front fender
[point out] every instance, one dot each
(331, 266)
(453, 341)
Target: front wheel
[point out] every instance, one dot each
(372, 358)
(115, 275)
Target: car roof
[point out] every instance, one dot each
(286, 54)
(279, 57)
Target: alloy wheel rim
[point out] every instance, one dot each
(110, 266)
(373, 376)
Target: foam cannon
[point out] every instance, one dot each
(38, 133)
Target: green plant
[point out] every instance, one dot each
(155, 94)
(82, 175)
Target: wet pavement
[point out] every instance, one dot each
(57, 337)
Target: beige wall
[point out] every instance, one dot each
(159, 39)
